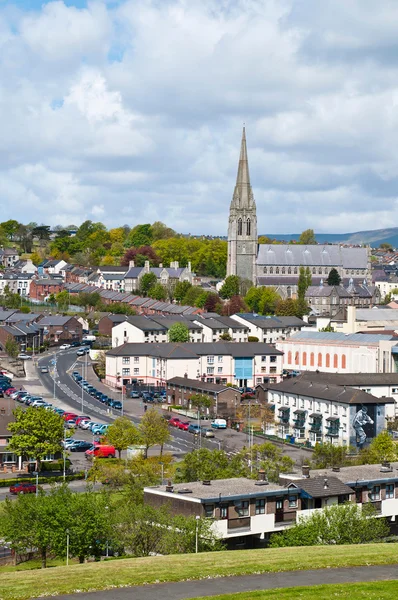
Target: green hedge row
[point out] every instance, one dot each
(42, 480)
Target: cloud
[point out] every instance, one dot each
(132, 112)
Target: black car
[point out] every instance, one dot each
(75, 344)
(80, 446)
(99, 395)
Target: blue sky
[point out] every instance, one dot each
(131, 111)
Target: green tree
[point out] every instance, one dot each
(192, 295)
(62, 300)
(338, 524)
(160, 231)
(157, 292)
(11, 347)
(328, 455)
(140, 235)
(213, 464)
(381, 448)
(36, 432)
(148, 280)
(304, 282)
(153, 430)
(10, 228)
(268, 301)
(230, 287)
(178, 333)
(307, 238)
(122, 434)
(291, 308)
(386, 246)
(181, 289)
(253, 298)
(200, 401)
(333, 277)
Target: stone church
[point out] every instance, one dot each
(278, 264)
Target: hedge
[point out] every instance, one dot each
(42, 480)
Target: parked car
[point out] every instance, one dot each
(96, 428)
(194, 428)
(70, 423)
(116, 404)
(68, 442)
(82, 351)
(23, 488)
(86, 424)
(134, 394)
(183, 425)
(219, 424)
(104, 399)
(207, 432)
(69, 415)
(44, 369)
(83, 422)
(101, 451)
(23, 356)
(82, 418)
(64, 346)
(10, 391)
(174, 421)
(80, 446)
(75, 344)
(103, 430)
(38, 402)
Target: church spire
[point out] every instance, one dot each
(243, 195)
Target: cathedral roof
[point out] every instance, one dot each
(315, 255)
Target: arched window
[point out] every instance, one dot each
(335, 362)
(277, 270)
(320, 271)
(289, 357)
(304, 359)
(289, 291)
(297, 358)
(295, 270)
(327, 360)
(343, 361)
(264, 269)
(289, 270)
(312, 359)
(248, 227)
(271, 270)
(283, 270)
(319, 359)
(239, 226)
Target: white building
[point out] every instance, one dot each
(214, 327)
(367, 319)
(324, 412)
(18, 283)
(151, 330)
(339, 353)
(269, 329)
(223, 362)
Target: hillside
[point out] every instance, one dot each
(374, 237)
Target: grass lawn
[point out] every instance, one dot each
(25, 584)
(354, 591)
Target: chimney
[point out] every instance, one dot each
(169, 487)
(146, 266)
(189, 267)
(206, 482)
(161, 265)
(261, 475)
(131, 264)
(176, 264)
(171, 264)
(305, 470)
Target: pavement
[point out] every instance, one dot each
(243, 583)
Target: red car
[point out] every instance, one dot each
(23, 488)
(174, 421)
(183, 425)
(82, 418)
(11, 390)
(68, 415)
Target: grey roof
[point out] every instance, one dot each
(323, 487)
(197, 384)
(324, 291)
(376, 314)
(316, 255)
(145, 323)
(47, 281)
(223, 488)
(113, 276)
(342, 339)
(55, 320)
(272, 322)
(215, 324)
(115, 318)
(326, 391)
(6, 314)
(360, 474)
(351, 379)
(133, 273)
(112, 269)
(17, 317)
(194, 350)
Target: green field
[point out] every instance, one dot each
(16, 585)
(377, 590)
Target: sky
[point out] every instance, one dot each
(131, 111)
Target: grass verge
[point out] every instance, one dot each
(21, 585)
(354, 591)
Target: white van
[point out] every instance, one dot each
(219, 424)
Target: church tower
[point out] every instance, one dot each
(242, 228)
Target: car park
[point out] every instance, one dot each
(69, 415)
(64, 347)
(207, 432)
(194, 428)
(23, 488)
(10, 391)
(183, 425)
(174, 421)
(96, 428)
(86, 424)
(70, 423)
(103, 429)
(82, 418)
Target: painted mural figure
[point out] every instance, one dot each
(360, 420)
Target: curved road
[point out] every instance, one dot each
(243, 583)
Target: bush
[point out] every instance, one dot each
(56, 465)
(252, 338)
(42, 480)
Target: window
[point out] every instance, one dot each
(126, 360)
(209, 510)
(126, 371)
(394, 390)
(304, 359)
(210, 360)
(272, 369)
(210, 370)
(263, 359)
(248, 227)
(289, 357)
(260, 506)
(223, 512)
(283, 270)
(319, 359)
(272, 358)
(136, 359)
(277, 270)
(327, 360)
(292, 501)
(271, 270)
(219, 370)
(239, 226)
(263, 369)
(335, 362)
(389, 491)
(220, 359)
(264, 269)
(312, 359)
(136, 371)
(301, 402)
(343, 362)
(374, 493)
(243, 509)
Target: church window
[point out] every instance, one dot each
(277, 270)
(343, 362)
(295, 270)
(319, 359)
(289, 291)
(304, 359)
(312, 359)
(289, 270)
(248, 227)
(314, 270)
(264, 269)
(283, 270)
(271, 270)
(239, 226)
(320, 271)
(327, 360)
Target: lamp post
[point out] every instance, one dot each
(67, 547)
(36, 474)
(197, 534)
(64, 454)
(55, 373)
(162, 471)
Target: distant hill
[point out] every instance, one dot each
(373, 238)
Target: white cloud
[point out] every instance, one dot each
(132, 112)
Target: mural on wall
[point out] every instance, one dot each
(366, 422)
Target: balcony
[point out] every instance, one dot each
(241, 524)
(285, 517)
(332, 431)
(299, 423)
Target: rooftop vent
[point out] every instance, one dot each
(325, 484)
(386, 467)
(336, 469)
(184, 491)
(206, 482)
(169, 487)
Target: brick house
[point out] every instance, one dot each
(224, 399)
(107, 322)
(40, 289)
(57, 329)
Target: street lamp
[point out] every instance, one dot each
(67, 547)
(162, 470)
(64, 453)
(107, 543)
(197, 534)
(36, 474)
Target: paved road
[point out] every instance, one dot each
(249, 583)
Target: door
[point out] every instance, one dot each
(278, 510)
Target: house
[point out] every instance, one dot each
(325, 300)
(25, 266)
(17, 283)
(339, 353)
(215, 328)
(27, 335)
(269, 329)
(8, 460)
(108, 322)
(40, 289)
(52, 266)
(111, 278)
(242, 364)
(57, 329)
(167, 276)
(318, 412)
(225, 400)
(151, 329)
(8, 257)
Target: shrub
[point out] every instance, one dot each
(252, 338)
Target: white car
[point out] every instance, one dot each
(64, 347)
(86, 424)
(39, 403)
(23, 356)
